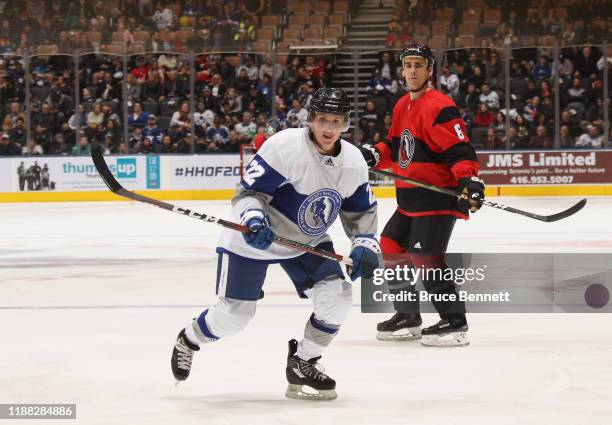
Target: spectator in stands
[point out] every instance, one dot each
(32, 148)
(499, 124)
(575, 95)
(58, 146)
(566, 140)
(210, 102)
(18, 133)
(46, 118)
(10, 119)
(8, 147)
(95, 116)
(135, 138)
(138, 117)
(253, 8)
(146, 147)
(542, 71)
(540, 140)
(450, 82)
(235, 101)
(586, 62)
(370, 112)
(167, 146)
(174, 90)
(489, 97)
(260, 101)
(152, 130)
(298, 112)
(484, 117)
(202, 119)
(141, 70)
(513, 139)
(379, 86)
(591, 138)
(472, 99)
(182, 118)
(109, 114)
(83, 148)
(252, 71)
(217, 135)
(268, 68)
(217, 87)
(246, 129)
(41, 137)
(112, 131)
(242, 81)
(72, 121)
(492, 140)
(163, 17)
(134, 91)
(110, 88)
(152, 88)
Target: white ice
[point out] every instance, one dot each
(92, 296)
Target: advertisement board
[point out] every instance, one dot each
(70, 173)
(204, 172)
(546, 167)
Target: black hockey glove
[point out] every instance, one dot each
(370, 154)
(473, 190)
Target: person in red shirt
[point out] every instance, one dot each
(427, 142)
(260, 138)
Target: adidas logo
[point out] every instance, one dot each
(328, 162)
(417, 245)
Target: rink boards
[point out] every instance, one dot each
(210, 177)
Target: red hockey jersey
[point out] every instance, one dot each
(427, 142)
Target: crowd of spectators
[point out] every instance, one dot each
(233, 102)
(475, 80)
(64, 26)
(233, 95)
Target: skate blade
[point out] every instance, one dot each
(407, 334)
(452, 339)
(297, 392)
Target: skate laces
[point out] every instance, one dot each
(313, 370)
(184, 355)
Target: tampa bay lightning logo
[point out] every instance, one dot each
(406, 148)
(319, 211)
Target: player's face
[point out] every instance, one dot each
(327, 128)
(415, 71)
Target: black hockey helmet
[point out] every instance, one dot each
(418, 50)
(331, 101)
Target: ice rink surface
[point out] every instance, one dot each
(92, 296)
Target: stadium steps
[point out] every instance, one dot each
(367, 34)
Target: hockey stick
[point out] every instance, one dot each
(115, 187)
(546, 218)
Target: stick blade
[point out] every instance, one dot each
(568, 212)
(102, 167)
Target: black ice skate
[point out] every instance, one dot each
(446, 333)
(401, 327)
(182, 355)
(302, 373)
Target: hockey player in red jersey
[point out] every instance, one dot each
(427, 142)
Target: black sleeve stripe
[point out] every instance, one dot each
(447, 114)
(460, 152)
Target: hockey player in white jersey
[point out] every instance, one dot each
(296, 186)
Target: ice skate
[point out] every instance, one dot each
(401, 327)
(182, 356)
(446, 333)
(306, 378)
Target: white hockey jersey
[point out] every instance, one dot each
(303, 192)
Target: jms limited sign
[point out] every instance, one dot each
(546, 167)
